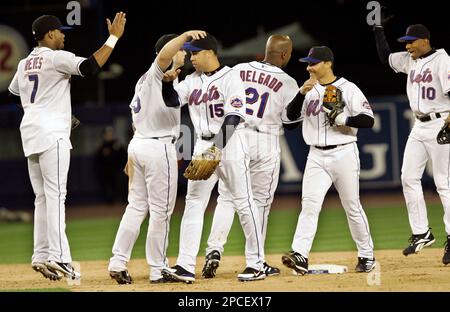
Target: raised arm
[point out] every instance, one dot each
(93, 64)
(382, 44)
(165, 56)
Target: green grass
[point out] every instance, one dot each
(93, 239)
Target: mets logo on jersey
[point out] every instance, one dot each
(236, 102)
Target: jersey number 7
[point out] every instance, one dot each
(35, 80)
(254, 97)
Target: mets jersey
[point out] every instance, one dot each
(428, 80)
(151, 117)
(316, 130)
(212, 98)
(42, 81)
(267, 84)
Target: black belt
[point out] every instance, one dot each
(428, 117)
(157, 138)
(328, 147)
(207, 138)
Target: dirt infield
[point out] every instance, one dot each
(422, 272)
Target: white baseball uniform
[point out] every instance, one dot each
(333, 159)
(42, 81)
(153, 175)
(427, 87)
(269, 90)
(211, 99)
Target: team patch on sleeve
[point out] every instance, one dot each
(236, 102)
(449, 75)
(366, 105)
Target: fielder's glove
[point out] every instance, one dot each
(203, 166)
(333, 106)
(443, 136)
(74, 122)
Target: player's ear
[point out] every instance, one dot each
(50, 34)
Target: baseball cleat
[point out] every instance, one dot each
(46, 272)
(65, 268)
(161, 280)
(270, 270)
(365, 265)
(296, 261)
(446, 257)
(211, 264)
(418, 242)
(178, 274)
(122, 277)
(251, 274)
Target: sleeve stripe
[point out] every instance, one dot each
(290, 121)
(234, 113)
(13, 92)
(78, 67)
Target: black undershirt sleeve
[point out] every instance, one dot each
(291, 126)
(226, 131)
(360, 121)
(15, 99)
(170, 96)
(382, 44)
(89, 67)
(294, 108)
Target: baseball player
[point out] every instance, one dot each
(333, 159)
(269, 90)
(215, 96)
(428, 89)
(152, 164)
(42, 81)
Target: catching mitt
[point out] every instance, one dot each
(332, 104)
(443, 136)
(203, 166)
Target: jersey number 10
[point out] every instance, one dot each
(428, 93)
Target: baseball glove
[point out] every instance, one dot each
(203, 166)
(332, 103)
(443, 136)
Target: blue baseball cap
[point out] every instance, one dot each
(207, 43)
(414, 32)
(46, 23)
(318, 54)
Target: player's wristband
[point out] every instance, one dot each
(111, 42)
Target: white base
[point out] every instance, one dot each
(325, 269)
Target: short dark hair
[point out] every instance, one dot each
(163, 40)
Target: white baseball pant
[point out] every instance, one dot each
(339, 166)
(153, 178)
(233, 171)
(420, 148)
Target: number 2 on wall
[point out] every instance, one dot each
(253, 97)
(35, 80)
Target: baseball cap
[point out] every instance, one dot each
(162, 41)
(414, 32)
(318, 54)
(44, 24)
(207, 43)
